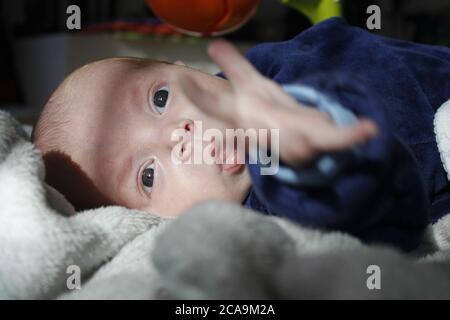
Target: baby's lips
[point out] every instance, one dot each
(232, 165)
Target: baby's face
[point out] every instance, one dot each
(126, 116)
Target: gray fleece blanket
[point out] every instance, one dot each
(214, 250)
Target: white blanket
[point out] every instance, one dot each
(215, 250)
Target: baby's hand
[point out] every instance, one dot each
(257, 102)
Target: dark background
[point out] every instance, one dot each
(416, 20)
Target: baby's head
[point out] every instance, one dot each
(106, 135)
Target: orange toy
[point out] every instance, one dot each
(204, 17)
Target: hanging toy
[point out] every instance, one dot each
(204, 17)
(316, 10)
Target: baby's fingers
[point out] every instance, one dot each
(333, 138)
(237, 69)
(213, 104)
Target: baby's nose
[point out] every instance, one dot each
(181, 137)
(187, 125)
(181, 131)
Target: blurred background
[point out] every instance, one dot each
(38, 51)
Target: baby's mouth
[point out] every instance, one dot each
(227, 161)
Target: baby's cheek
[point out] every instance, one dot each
(190, 184)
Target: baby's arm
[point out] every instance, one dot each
(373, 191)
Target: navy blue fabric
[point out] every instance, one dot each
(397, 185)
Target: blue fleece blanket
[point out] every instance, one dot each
(396, 185)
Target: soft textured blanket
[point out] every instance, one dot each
(215, 250)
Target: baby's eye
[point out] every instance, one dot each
(160, 99)
(148, 176)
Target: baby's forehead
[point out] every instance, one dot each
(103, 72)
(85, 95)
(127, 63)
(114, 65)
(90, 86)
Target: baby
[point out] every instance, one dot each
(108, 133)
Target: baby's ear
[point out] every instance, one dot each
(180, 63)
